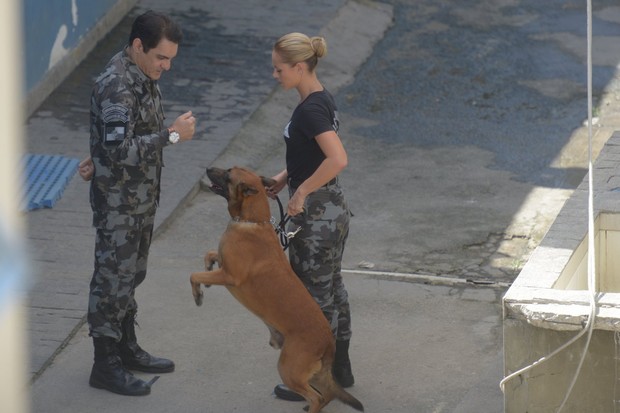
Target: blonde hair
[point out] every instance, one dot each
(297, 47)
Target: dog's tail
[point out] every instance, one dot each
(346, 397)
(329, 388)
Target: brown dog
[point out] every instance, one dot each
(254, 268)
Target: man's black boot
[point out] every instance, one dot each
(108, 372)
(342, 365)
(133, 356)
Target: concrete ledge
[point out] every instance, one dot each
(532, 297)
(542, 314)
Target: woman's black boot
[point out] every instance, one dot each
(342, 365)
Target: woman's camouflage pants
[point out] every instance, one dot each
(316, 252)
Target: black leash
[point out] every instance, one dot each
(280, 228)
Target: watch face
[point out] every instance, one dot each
(174, 137)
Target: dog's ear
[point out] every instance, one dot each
(267, 181)
(248, 189)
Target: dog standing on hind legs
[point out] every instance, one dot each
(255, 270)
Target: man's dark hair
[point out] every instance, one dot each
(151, 27)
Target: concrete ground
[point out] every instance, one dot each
(409, 338)
(439, 230)
(416, 347)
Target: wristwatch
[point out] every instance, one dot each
(173, 136)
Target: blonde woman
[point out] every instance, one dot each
(314, 158)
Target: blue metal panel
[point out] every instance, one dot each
(43, 26)
(46, 177)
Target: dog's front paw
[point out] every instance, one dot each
(196, 290)
(211, 258)
(198, 297)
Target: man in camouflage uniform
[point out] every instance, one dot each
(127, 136)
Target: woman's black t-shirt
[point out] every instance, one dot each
(315, 115)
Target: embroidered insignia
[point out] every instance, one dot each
(115, 113)
(115, 118)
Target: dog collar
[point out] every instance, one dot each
(238, 219)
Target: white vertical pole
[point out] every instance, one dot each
(13, 354)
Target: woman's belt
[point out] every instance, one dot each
(294, 184)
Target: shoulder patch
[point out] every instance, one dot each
(115, 113)
(115, 118)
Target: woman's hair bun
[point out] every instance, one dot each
(319, 46)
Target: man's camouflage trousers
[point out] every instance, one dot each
(121, 257)
(315, 253)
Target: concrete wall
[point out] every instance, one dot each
(541, 314)
(58, 34)
(543, 388)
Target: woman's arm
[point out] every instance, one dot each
(280, 179)
(335, 161)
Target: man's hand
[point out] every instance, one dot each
(185, 125)
(86, 169)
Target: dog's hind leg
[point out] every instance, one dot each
(325, 384)
(276, 339)
(296, 371)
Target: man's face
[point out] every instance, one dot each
(157, 60)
